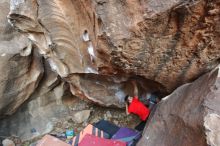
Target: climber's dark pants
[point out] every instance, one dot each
(140, 126)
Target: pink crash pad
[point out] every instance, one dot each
(91, 140)
(90, 129)
(48, 140)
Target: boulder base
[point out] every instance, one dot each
(190, 116)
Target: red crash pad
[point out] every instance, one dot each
(91, 140)
(48, 140)
(90, 129)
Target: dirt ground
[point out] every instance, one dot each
(115, 115)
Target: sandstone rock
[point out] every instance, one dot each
(212, 129)
(42, 110)
(81, 116)
(118, 39)
(103, 89)
(8, 142)
(96, 47)
(21, 78)
(20, 70)
(188, 117)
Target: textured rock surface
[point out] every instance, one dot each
(20, 66)
(188, 117)
(81, 116)
(109, 90)
(94, 48)
(45, 106)
(119, 38)
(8, 142)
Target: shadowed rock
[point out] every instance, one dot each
(190, 116)
(20, 66)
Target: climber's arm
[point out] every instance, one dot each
(127, 109)
(135, 88)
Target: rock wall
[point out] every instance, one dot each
(98, 46)
(47, 105)
(94, 48)
(21, 65)
(158, 40)
(190, 116)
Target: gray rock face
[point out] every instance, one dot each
(44, 107)
(20, 66)
(81, 116)
(8, 142)
(190, 116)
(212, 129)
(21, 76)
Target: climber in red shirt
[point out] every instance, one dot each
(133, 105)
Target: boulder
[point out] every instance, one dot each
(119, 37)
(8, 142)
(109, 40)
(109, 90)
(81, 116)
(20, 77)
(190, 116)
(20, 66)
(94, 48)
(48, 104)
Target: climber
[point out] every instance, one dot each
(133, 105)
(150, 100)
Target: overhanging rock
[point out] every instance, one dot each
(190, 116)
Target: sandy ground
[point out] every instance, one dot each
(115, 115)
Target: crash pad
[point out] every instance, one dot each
(90, 129)
(127, 135)
(107, 127)
(48, 140)
(91, 140)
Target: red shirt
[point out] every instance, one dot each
(138, 108)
